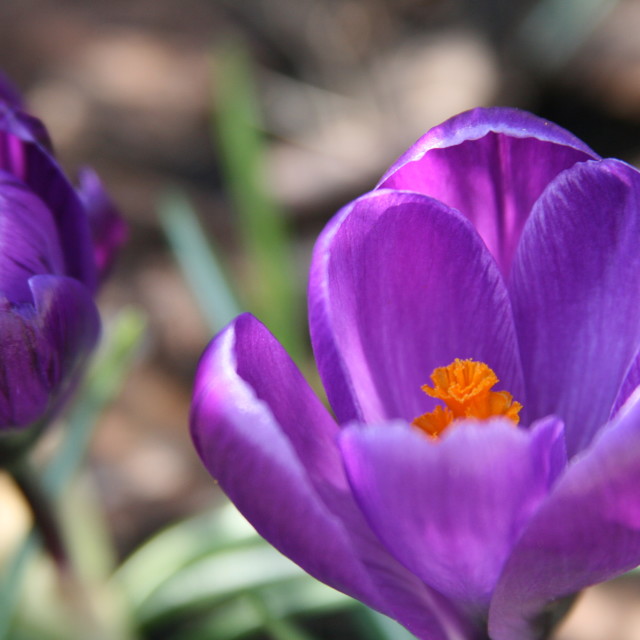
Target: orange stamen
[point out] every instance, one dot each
(465, 388)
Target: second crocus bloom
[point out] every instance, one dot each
(55, 244)
(499, 239)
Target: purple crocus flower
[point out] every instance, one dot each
(48, 270)
(499, 247)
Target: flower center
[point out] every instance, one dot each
(465, 388)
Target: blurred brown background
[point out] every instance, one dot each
(344, 86)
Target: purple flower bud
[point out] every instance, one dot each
(49, 269)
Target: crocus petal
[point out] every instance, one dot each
(44, 345)
(451, 510)
(401, 284)
(575, 291)
(24, 126)
(270, 443)
(587, 531)
(26, 159)
(490, 164)
(28, 240)
(108, 229)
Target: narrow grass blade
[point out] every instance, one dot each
(209, 568)
(11, 584)
(152, 564)
(198, 260)
(272, 284)
(98, 389)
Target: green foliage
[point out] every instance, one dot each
(273, 291)
(217, 568)
(99, 387)
(198, 260)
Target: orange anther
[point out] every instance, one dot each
(465, 388)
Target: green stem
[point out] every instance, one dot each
(44, 516)
(15, 444)
(74, 593)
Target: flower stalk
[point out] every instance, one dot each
(44, 514)
(74, 593)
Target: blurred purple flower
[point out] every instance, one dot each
(48, 269)
(108, 229)
(497, 237)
